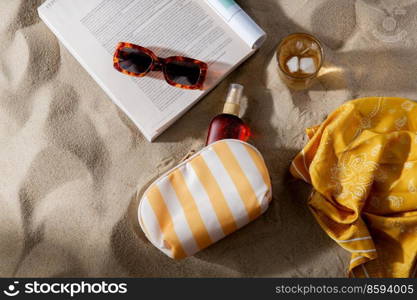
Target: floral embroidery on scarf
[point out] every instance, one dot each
(366, 121)
(352, 176)
(376, 150)
(407, 106)
(401, 122)
(411, 186)
(396, 201)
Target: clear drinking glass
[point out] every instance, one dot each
(300, 57)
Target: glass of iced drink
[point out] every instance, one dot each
(300, 58)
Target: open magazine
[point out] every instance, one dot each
(217, 32)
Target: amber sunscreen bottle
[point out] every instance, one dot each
(228, 125)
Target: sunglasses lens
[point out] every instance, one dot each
(134, 60)
(182, 72)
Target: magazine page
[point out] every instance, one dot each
(91, 30)
(239, 21)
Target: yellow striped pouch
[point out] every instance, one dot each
(210, 195)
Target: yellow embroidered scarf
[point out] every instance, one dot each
(362, 164)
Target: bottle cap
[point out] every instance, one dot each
(233, 99)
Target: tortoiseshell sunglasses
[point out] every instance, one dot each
(179, 71)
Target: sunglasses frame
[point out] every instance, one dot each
(159, 64)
